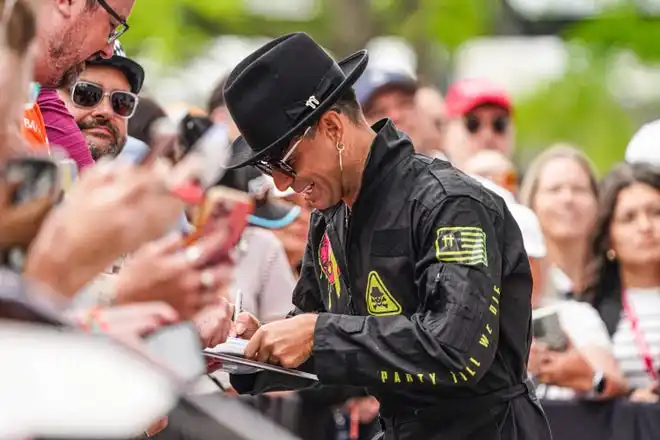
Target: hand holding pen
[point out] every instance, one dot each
(245, 324)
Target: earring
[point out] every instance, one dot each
(611, 255)
(340, 149)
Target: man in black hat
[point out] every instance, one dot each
(103, 99)
(415, 282)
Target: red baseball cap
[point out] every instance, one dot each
(465, 95)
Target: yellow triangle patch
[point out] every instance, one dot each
(380, 301)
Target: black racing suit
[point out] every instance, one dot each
(423, 293)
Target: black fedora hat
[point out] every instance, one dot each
(282, 88)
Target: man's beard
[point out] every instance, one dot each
(65, 62)
(70, 76)
(113, 147)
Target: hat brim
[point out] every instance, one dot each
(494, 100)
(133, 72)
(409, 86)
(274, 214)
(353, 66)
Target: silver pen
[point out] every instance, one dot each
(238, 304)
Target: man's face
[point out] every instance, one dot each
(315, 159)
(484, 128)
(430, 108)
(397, 104)
(78, 33)
(104, 130)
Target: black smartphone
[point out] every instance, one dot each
(34, 177)
(547, 328)
(30, 180)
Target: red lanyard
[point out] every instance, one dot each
(640, 341)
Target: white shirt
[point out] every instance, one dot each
(646, 304)
(584, 327)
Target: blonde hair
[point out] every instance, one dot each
(530, 183)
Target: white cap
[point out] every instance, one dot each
(507, 195)
(529, 225)
(527, 220)
(645, 145)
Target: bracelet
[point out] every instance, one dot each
(93, 322)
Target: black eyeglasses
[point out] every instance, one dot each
(267, 167)
(120, 28)
(499, 124)
(89, 95)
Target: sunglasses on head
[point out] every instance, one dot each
(498, 124)
(89, 95)
(281, 165)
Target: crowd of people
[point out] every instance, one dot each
(116, 248)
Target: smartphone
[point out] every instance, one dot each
(222, 203)
(178, 347)
(34, 177)
(547, 328)
(34, 180)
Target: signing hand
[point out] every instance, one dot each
(246, 326)
(288, 342)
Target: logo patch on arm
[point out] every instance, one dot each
(380, 301)
(461, 245)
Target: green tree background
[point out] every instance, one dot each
(576, 108)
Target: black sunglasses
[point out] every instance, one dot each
(89, 95)
(120, 28)
(282, 164)
(499, 124)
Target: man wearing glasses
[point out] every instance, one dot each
(478, 117)
(415, 283)
(69, 32)
(103, 99)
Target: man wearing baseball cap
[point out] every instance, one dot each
(103, 99)
(478, 114)
(393, 95)
(415, 283)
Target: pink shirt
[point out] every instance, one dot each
(62, 129)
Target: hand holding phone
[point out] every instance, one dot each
(222, 207)
(547, 329)
(28, 190)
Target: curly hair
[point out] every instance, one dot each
(603, 277)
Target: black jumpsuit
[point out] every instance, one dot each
(423, 292)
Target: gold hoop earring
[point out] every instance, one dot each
(611, 255)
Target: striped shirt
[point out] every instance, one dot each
(646, 304)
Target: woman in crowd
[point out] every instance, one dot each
(624, 282)
(583, 365)
(560, 187)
